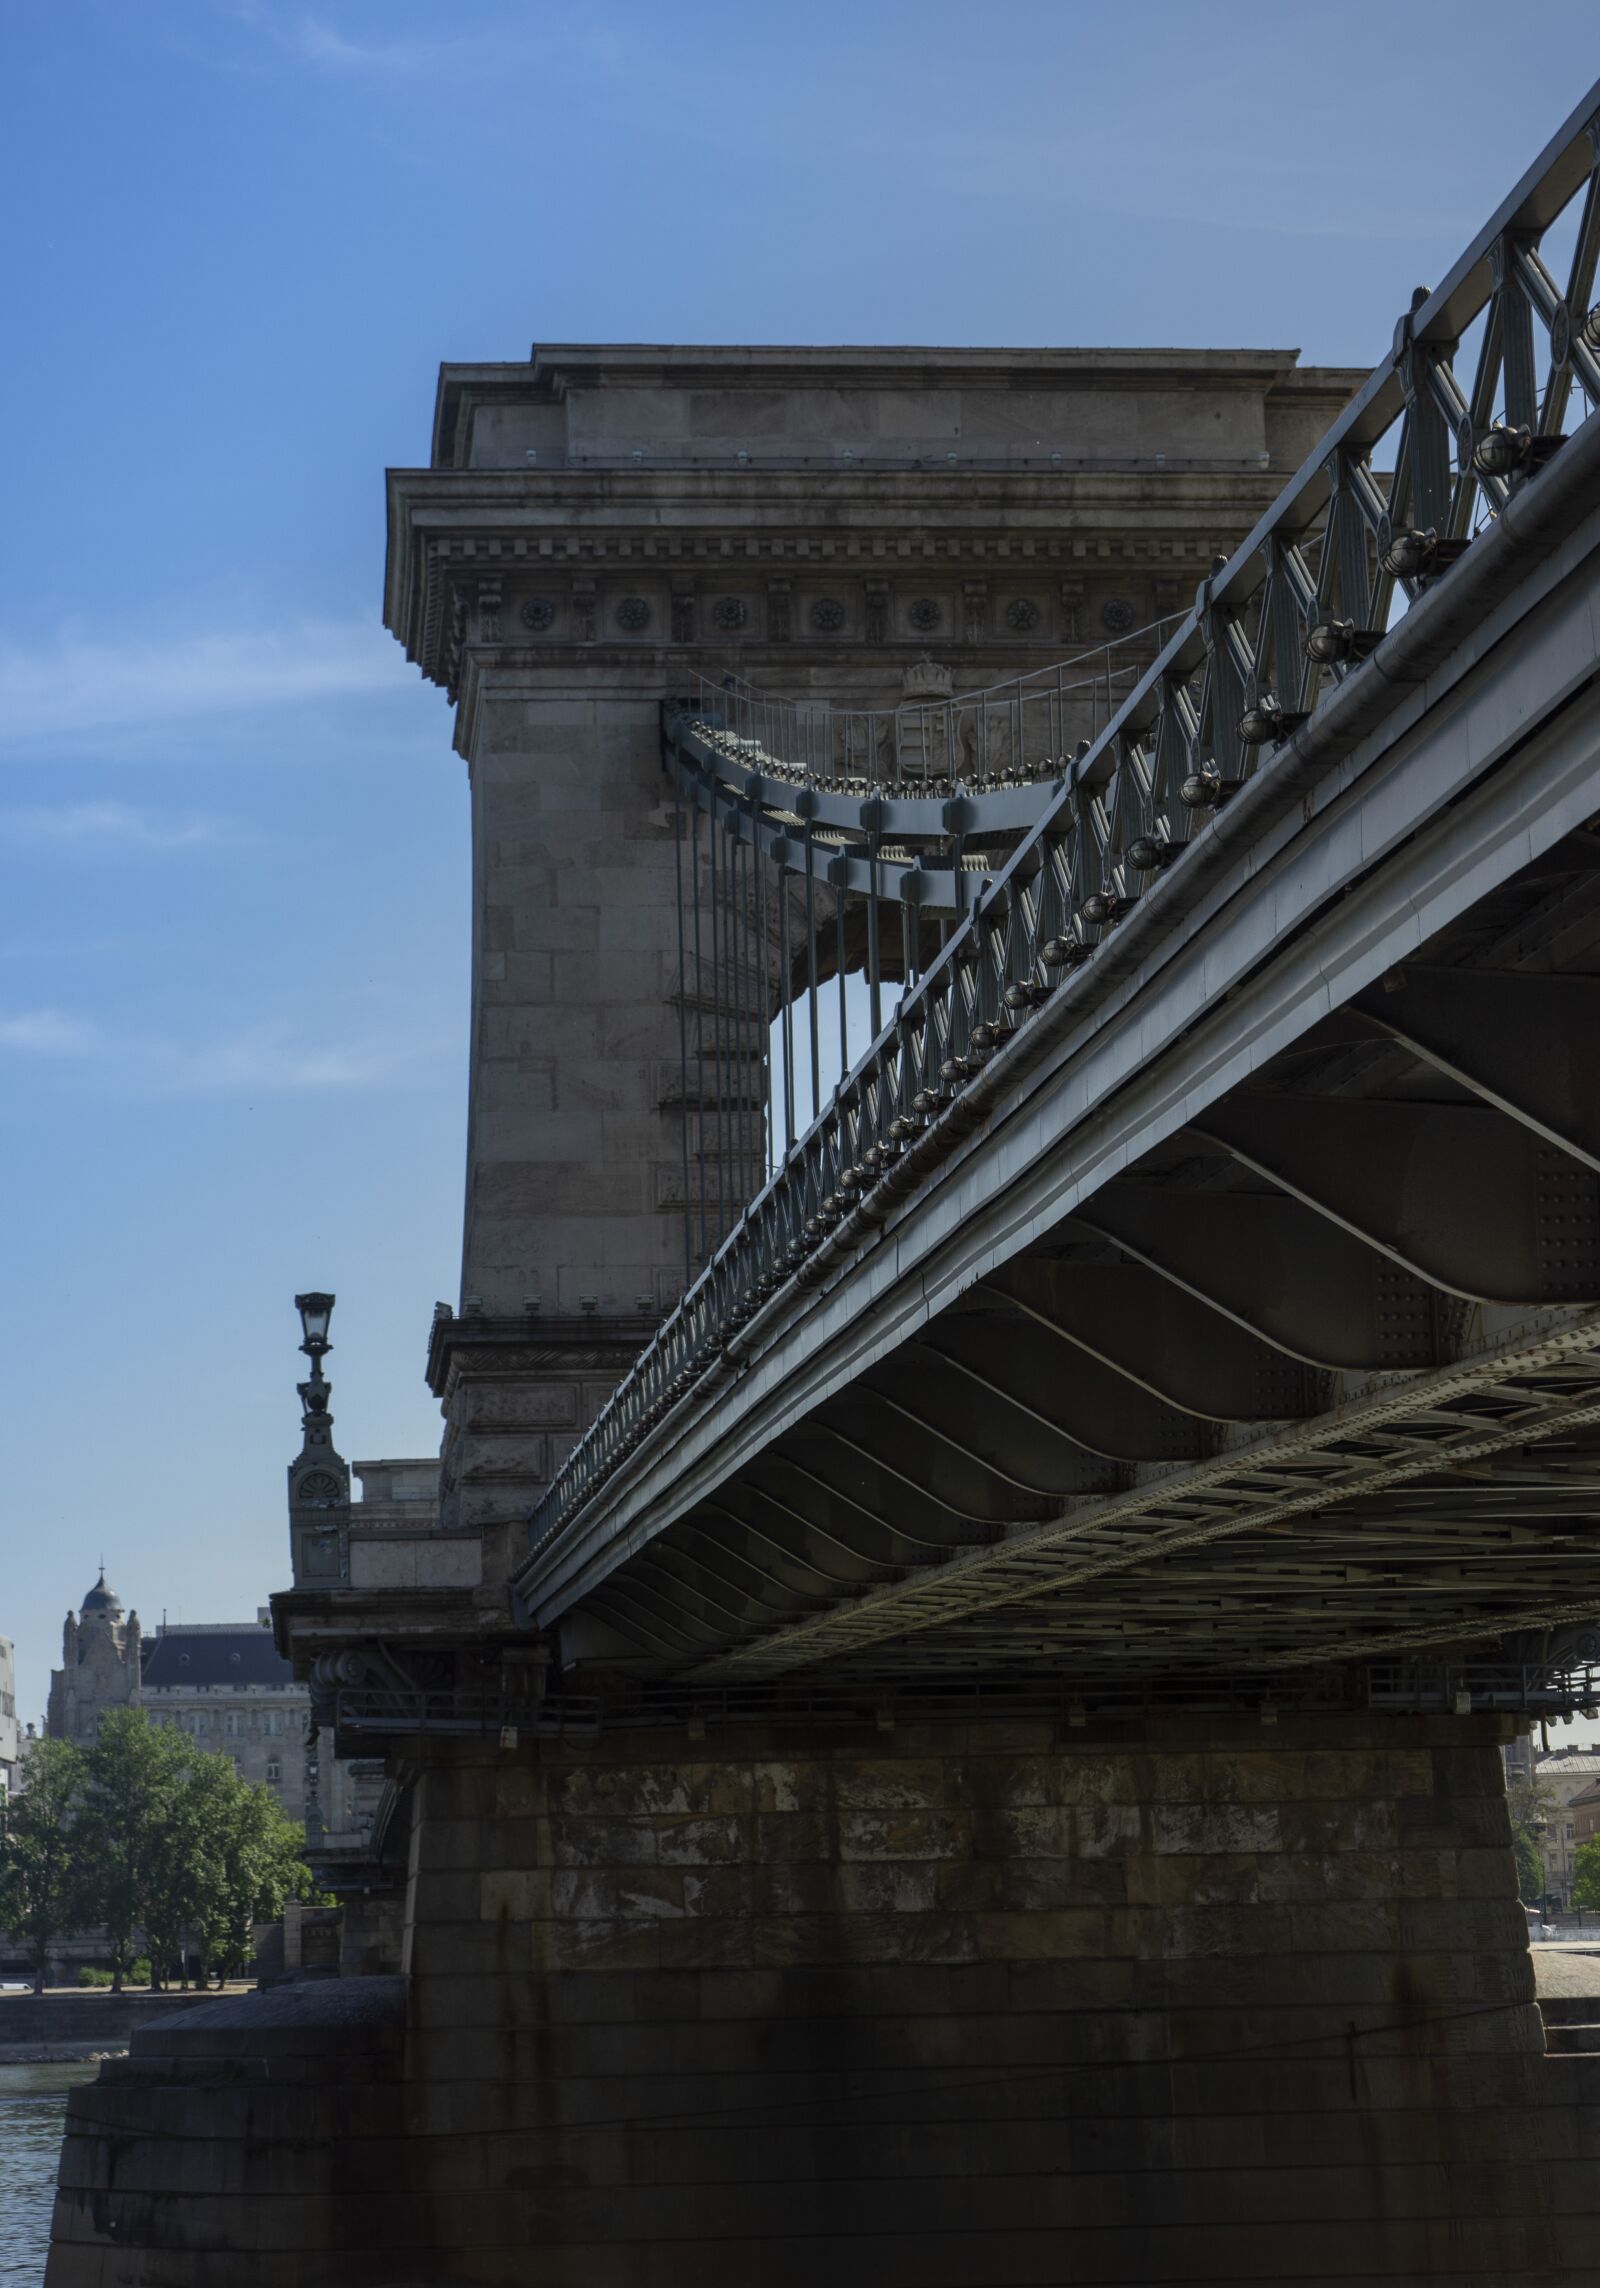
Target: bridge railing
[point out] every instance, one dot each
(1414, 474)
(936, 743)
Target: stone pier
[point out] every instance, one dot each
(985, 2005)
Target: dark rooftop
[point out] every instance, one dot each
(218, 1657)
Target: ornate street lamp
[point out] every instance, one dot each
(319, 1477)
(315, 1313)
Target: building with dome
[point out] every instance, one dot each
(227, 1686)
(101, 1656)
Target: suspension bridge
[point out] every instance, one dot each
(1022, 1422)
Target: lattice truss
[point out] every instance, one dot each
(1009, 868)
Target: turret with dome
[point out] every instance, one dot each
(101, 1664)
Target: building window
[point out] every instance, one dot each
(274, 1770)
(231, 1723)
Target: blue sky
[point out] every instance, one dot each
(238, 238)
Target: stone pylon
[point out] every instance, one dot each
(598, 524)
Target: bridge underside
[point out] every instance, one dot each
(1317, 1378)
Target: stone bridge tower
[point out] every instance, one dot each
(596, 523)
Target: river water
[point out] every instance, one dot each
(33, 2105)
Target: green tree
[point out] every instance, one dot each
(155, 1842)
(135, 1771)
(40, 1892)
(1586, 1874)
(254, 1862)
(174, 1844)
(182, 1848)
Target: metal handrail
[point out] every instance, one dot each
(1276, 632)
(1008, 733)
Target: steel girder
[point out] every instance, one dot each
(1319, 1378)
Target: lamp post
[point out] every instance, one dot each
(315, 1313)
(319, 1477)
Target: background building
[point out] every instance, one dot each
(225, 1685)
(1585, 1811)
(10, 1744)
(1563, 1779)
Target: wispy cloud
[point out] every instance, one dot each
(321, 41)
(111, 826)
(82, 683)
(265, 1060)
(45, 1033)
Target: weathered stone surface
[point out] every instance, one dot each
(956, 2007)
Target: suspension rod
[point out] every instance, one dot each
(683, 1041)
(699, 1042)
(786, 1006)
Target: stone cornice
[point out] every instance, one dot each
(478, 1346)
(466, 554)
(491, 517)
(308, 1621)
(592, 463)
(584, 513)
(555, 366)
(555, 370)
(817, 502)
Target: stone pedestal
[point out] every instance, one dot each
(975, 2006)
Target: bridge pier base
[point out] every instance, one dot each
(970, 2005)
